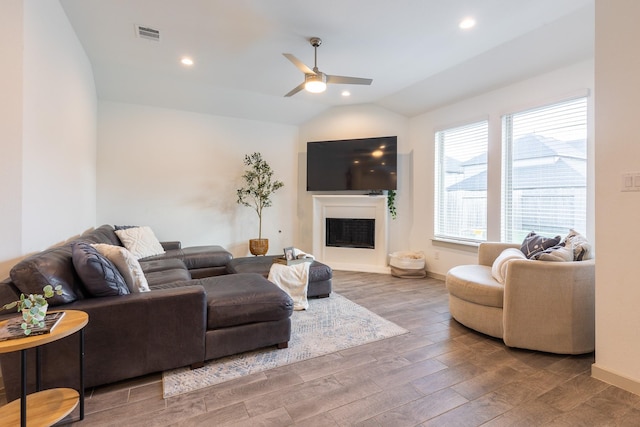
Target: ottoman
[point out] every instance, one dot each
(320, 275)
(244, 312)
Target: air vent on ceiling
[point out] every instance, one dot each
(147, 33)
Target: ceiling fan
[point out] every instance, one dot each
(316, 81)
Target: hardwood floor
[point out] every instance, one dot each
(440, 374)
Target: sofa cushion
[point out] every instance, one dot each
(535, 243)
(196, 257)
(157, 279)
(140, 241)
(100, 276)
(163, 264)
(103, 234)
(475, 284)
(499, 267)
(127, 265)
(50, 267)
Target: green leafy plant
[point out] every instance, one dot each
(391, 203)
(33, 307)
(259, 186)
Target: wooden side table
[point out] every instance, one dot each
(45, 407)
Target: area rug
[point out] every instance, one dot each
(329, 325)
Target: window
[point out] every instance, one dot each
(461, 182)
(544, 186)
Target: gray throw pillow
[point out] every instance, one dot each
(100, 276)
(557, 253)
(535, 243)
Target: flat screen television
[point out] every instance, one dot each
(365, 164)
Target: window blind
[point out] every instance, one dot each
(544, 184)
(461, 182)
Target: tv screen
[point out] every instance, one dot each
(366, 164)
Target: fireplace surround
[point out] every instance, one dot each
(358, 210)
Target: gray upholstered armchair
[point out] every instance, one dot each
(542, 305)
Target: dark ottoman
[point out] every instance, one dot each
(320, 275)
(244, 312)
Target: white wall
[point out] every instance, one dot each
(178, 172)
(49, 135)
(358, 121)
(11, 41)
(59, 129)
(550, 87)
(617, 213)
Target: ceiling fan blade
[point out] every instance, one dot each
(298, 64)
(348, 80)
(295, 90)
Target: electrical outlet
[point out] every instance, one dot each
(436, 255)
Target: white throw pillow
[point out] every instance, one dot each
(499, 267)
(127, 264)
(140, 241)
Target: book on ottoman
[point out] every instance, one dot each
(283, 260)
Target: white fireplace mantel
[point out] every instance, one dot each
(358, 207)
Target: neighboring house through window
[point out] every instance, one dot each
(544, 175)
(544, 185)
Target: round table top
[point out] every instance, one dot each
(72, 322)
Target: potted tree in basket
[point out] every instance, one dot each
(259, 185)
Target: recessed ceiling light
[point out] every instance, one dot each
(346, 93)
(467, 23)
(186, 61)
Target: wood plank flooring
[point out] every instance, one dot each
(440, 374)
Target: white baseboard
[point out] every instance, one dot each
(361, 268)
(615, 379)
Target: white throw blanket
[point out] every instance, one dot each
(294, 280)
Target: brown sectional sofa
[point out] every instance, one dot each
(182, 321)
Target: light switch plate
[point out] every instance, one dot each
(630, 181)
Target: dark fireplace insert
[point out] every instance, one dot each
(350, 233)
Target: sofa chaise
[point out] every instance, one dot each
(181, 321)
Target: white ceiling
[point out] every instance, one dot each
(413, 50)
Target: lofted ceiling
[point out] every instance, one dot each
(413, 50)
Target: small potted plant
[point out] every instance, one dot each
(256, 194)
(33, 307)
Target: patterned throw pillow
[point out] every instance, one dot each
(126, 264)
(535, 243)
(557, 253)
(581, 246)
(140, 241)
(100, 277)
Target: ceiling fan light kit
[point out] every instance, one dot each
(315, 81)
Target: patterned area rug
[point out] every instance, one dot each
(329, 325)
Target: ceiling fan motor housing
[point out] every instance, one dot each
(317, 77)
